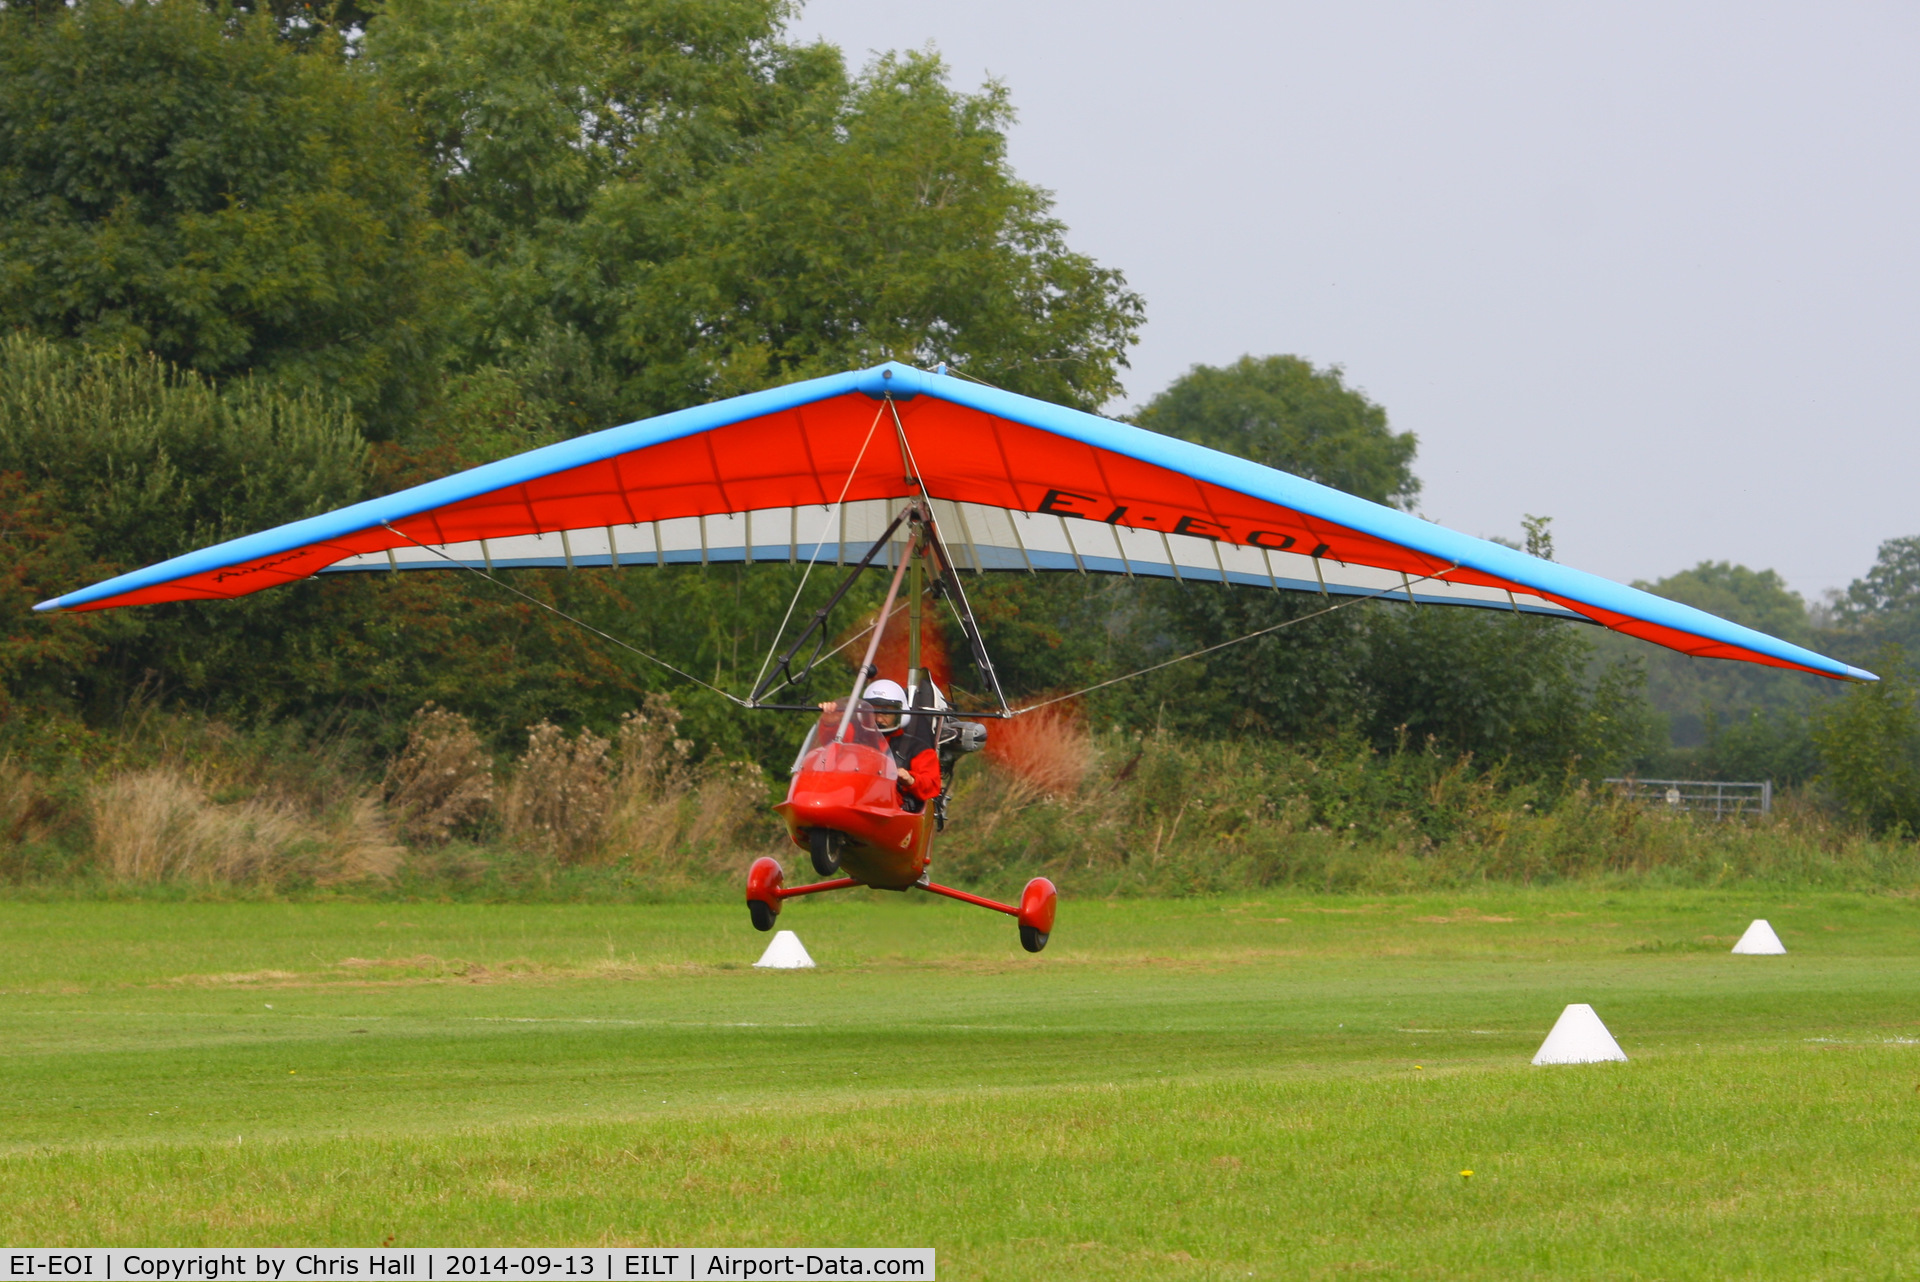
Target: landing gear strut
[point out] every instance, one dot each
(1035, 913)
(766, 888)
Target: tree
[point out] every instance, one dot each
(1517, 690)
(308, 22)
(1892, 586)
(1704, 699)
(1527, 692)
(153, 461)
(527, 111)
(122, 461)
(245, 234)
(40, 556)
(1883, 606)
(690, 208)
(179, 180)
(1283, 412)
(883, 222)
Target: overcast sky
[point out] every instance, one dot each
(1649, 268)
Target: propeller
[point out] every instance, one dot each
(1049, 749)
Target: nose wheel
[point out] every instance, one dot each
(824, 845)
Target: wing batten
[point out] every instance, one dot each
(1050, 544)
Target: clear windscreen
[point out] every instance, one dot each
(862, 729)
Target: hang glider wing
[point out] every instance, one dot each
(817, 469)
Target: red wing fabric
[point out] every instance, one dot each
(815, 471)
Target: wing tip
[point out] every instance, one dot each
(1860, 675)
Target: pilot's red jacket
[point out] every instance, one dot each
(924, 781)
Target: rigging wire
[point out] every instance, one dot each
(957, 372)
(897, 610)
(817, 543)
(1167, 663)
(554, 609)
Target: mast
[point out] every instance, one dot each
(914, 591)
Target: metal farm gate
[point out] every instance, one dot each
(1716, 797)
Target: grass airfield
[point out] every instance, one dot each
(1286, 1086)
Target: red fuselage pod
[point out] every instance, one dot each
(845, 784)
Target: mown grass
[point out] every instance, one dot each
(1281, 1086)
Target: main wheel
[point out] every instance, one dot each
(1037, 903)
(763, 892)
(821, 844)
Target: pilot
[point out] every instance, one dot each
(919, 780)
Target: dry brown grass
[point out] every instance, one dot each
(159, 824)
(728, 800)
(655, 774)
(561, 794)
(670, 816)
(25, 807)
(208, 804)
(442, 781)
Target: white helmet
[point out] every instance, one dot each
(884, 689)
(887, 719)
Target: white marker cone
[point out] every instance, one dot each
(786, 952)
(1760, 941)
(1578, 1037)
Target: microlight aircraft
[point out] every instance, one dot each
(937, 479)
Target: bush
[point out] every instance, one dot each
(1870, 745)
(1161, 815)
(189, 805)
(561, 793)
(109, 463)
(442, 782)
(640, 800)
